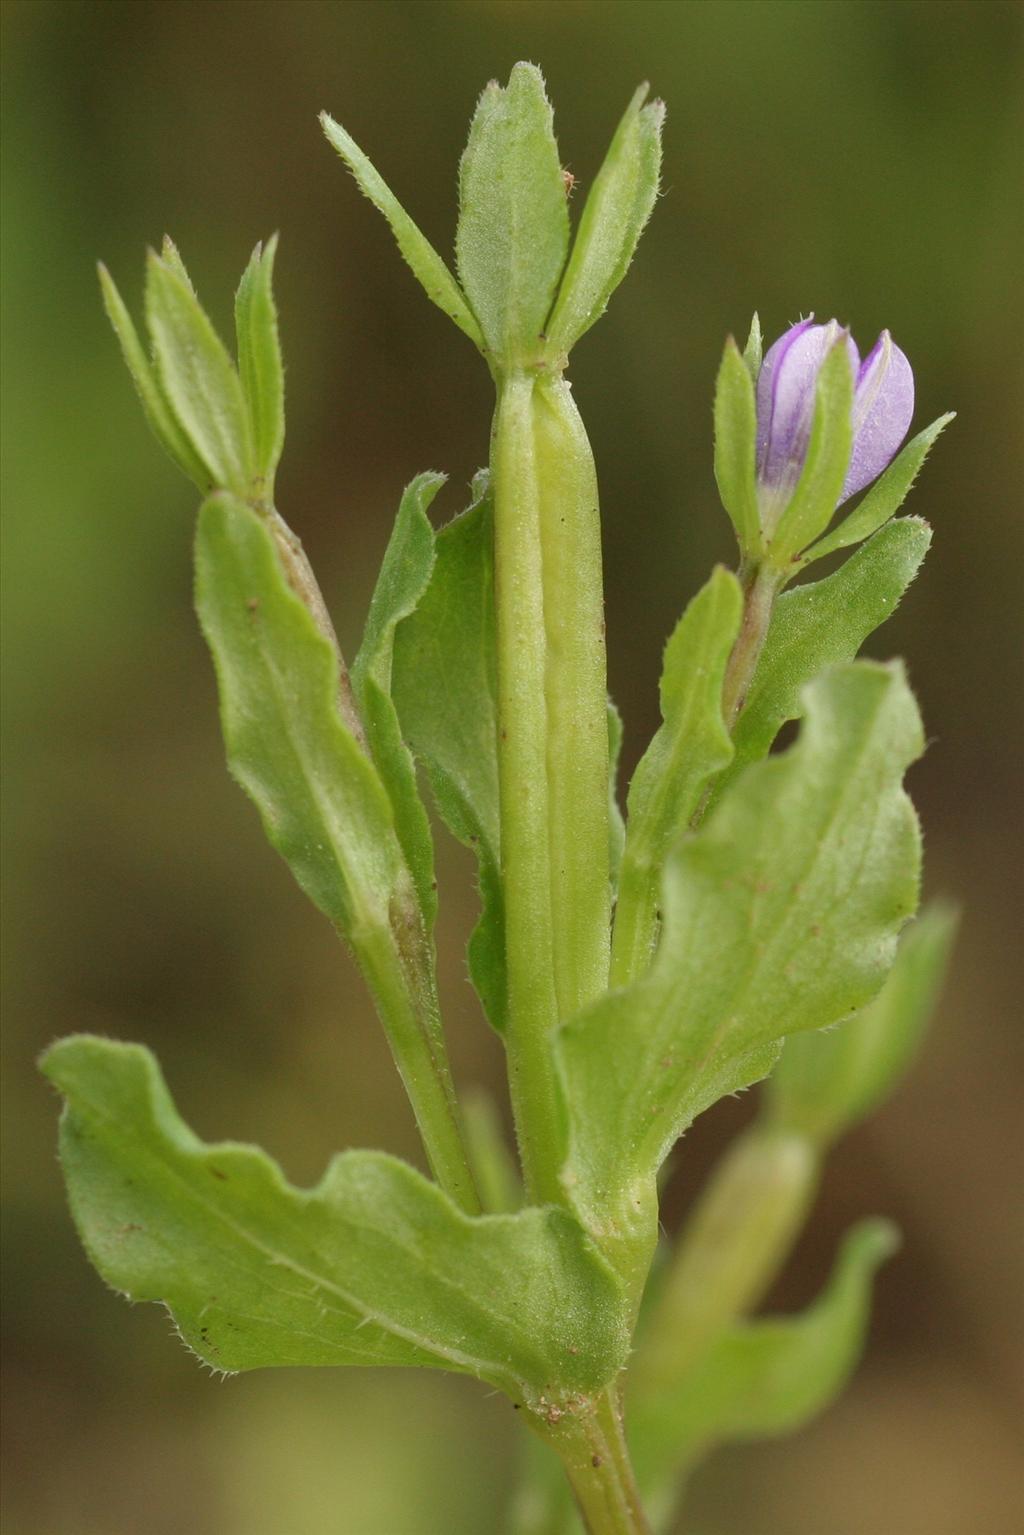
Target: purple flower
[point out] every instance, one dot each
(883, 404)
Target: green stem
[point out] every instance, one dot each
(593, 1451)
(576, 687)
(552, 747)
(303, 582)
(731, 1249)
(761, 585)
(396, 963)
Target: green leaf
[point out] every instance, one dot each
(827, 1081)
(689, 748)
(171, 255)
(513, 231)
(780, 914)
(820, 624)
(294, 743)
(884, 498)
(427, 266)
(157, 411)
(736, 448)
(828, 457)
(403, 579)
(616, 822)
(373, 1266)
(259, 363)
(617, 208)
(767, 1377)
(198, 378)
(444, 683)
(322, 804)
(754, 349)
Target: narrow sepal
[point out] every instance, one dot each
(736, 449)
(618, 206)
(171, 255)
(753, 352)
(429, 269)
(198, 377)
(513, 231)
(158, 413)
(884, 498)
(260, 364)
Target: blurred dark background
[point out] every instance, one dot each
(857, 159)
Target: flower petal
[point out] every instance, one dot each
(785, 399)
(883, 407)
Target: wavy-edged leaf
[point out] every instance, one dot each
(513, 231)
(885, 497)
(618, 206)
(427, 266)
(295, 744)
(260, 365)
(780, 914)
(321, 801)
(375, 1265)
(404, 577)
(828, 1080)
(197, 377)
(820, 624)
(767, 1377)
(736, 447)
(444, 683)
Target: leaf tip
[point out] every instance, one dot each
(108, 288)
(656, 111)
(875, 1240)
(57, 1061)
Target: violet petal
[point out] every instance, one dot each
(883, 407)
(785, 399)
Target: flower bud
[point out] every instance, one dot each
(883, 404)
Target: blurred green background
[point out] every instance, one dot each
(857, 159)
